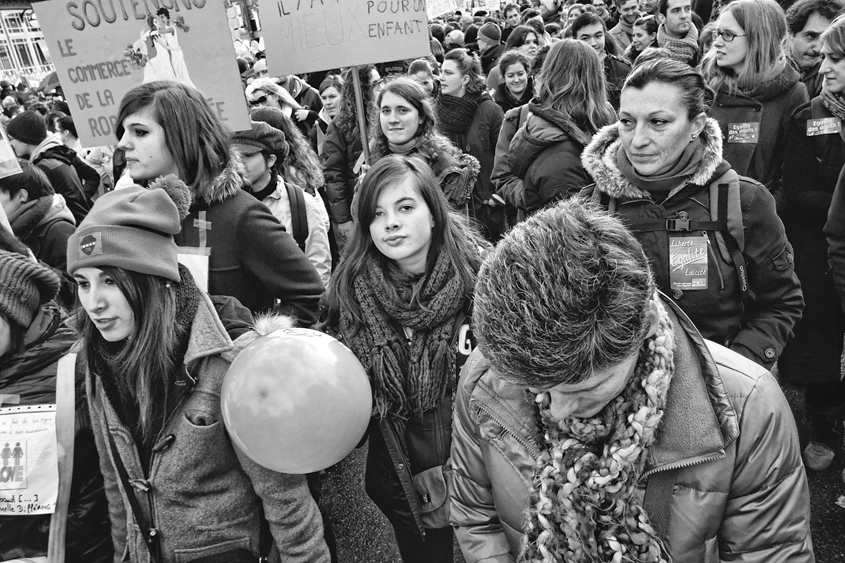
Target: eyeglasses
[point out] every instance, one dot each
(259, 101)
(728, 36)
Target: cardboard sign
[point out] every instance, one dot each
(313, 35)
(743, 132)
(823, 126)
(439, 7)
(29, 475)
(688, 263)
(101, 50)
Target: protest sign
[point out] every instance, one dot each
(312, 35)
(436, 8)
(103, 49)
(29, 475)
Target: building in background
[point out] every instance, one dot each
(23, 51)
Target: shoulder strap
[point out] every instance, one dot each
(65, 434)
(298, 214)
(726, 205)
(658, 498)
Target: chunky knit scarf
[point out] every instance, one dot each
(454, 116)
(684, 49)
(409, 375)
(584, 505)
(834, 103)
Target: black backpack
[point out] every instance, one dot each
(298, 214)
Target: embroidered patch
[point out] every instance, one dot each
(91, 245)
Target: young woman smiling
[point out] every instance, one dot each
(644, 36)
(518, 86)
(523, 39)
(398, 300)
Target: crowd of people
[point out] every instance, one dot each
(568, 246)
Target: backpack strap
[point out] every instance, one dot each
(728, 238)
(298, 214)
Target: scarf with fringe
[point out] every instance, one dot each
(409, 375)
(583, 504)
(683, 49)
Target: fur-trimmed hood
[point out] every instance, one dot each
(225, 185)
(599, 160)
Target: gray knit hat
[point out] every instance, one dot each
(24, 287)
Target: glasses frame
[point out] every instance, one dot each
(260, 100)
(725, 35)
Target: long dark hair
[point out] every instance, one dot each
(346, 119)
(302, 166)
(144, 367)
(451, 234)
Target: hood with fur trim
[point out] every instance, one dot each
(225, 185)
(599, 160)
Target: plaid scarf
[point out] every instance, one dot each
(684, 49)
(584, 505)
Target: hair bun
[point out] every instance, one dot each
(178, 192)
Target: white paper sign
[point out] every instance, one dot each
(29, 475)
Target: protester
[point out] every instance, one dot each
(572, 14)
(398, 301)
(67, 131)
(330, 94)
(35, 338)
(490, 46)
(644, 36)
(518, 86)
(577, 400)
(806, 21)
(624, 30)
(677, 32)
(168, 128)
(602, 11)
(266, 92)
(308, 99)
(591, 29)
(571, 105)
(157, 417)
(342, 151)
(661, 168)
(469, 117)
(511, 19)
(550, 11)
(757, 89)
(264, 150)
(422, 71)
(523, 39)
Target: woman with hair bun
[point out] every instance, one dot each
(644, 36)
(469, 117)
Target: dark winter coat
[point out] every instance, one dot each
(616, 70)
(546, 155)
(740, 491)
(32, 376)
(309, 98)
(507, 184)
(813, 81)
(252, 258)
(490, 57)
(759, 325)
(506, 100)
(341, 151)
(770, 106)
(57, 162)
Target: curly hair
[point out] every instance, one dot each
(346, 120)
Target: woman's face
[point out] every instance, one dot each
(105, 304)
(331, 100)
(529, 46)
(452, 82)
(833, 70)
(654, 127)
(264, 99)
(143, 143)
(425, 80)
(574, 12)
(402, 225)
(730, 54)
(640, 38)
(516, 79)
(399, 119)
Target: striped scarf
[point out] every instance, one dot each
(583, 505)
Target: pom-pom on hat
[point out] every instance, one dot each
(133, 229)
(491, 33)
(24, 287)
(28, 127)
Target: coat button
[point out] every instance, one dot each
(677, 293)
(769, 353)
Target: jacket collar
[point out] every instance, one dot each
(208, 335)
(699, 421)
(599, 159)
(225, 185)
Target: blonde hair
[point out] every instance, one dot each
(764, 25)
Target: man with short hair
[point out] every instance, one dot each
(549, 11)
(590, 28)
(622, 31)
(603, 12)
(512, 19)
(649, 7)
(806, 20)
(489, 45)
(677, 32)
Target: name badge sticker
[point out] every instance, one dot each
(688, 263)
(743, 132)
(823, 126)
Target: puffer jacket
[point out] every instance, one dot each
(756, 325)
(251, 257)
(341, 151)
(546, 155)
(32, 376)
(770, 107)
(740, 493)
(204, 496)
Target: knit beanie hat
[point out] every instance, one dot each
(133, 229)
(28, 127)
(261, 137)
(24, 287)
(455, 38)
(491, 33)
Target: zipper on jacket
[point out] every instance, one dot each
(528, 445)
(715, 261)
(685, 464)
